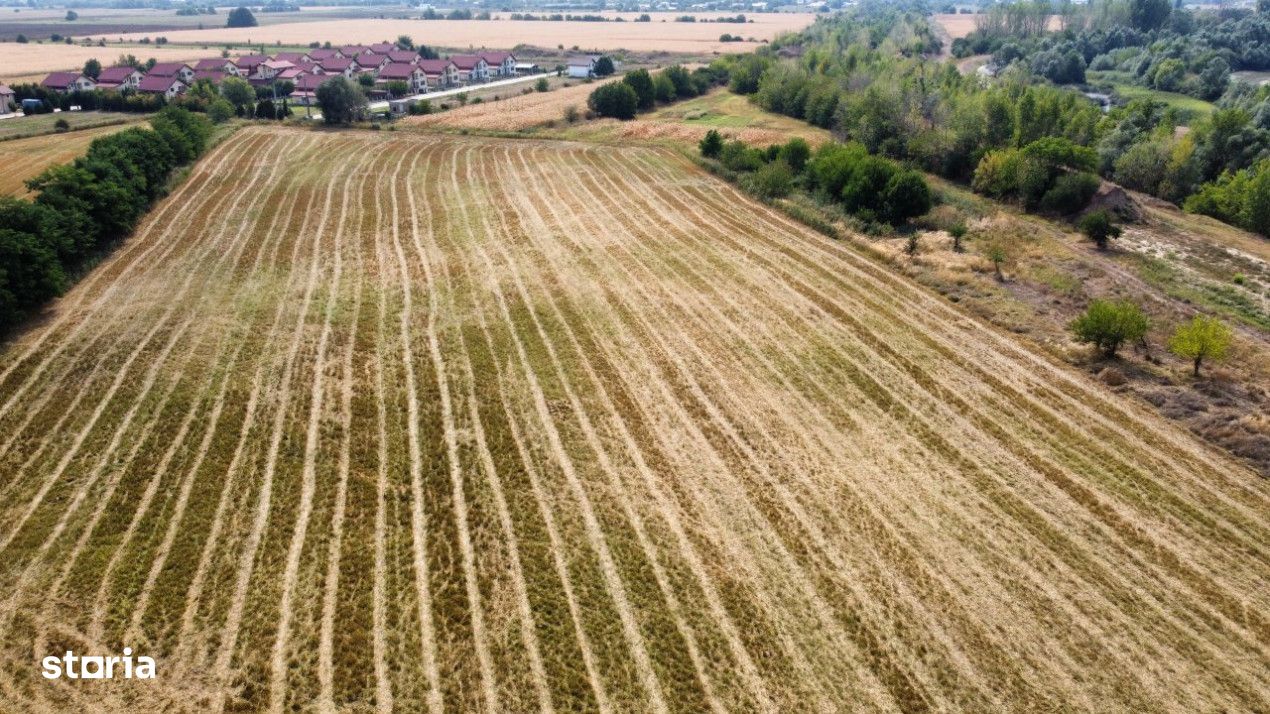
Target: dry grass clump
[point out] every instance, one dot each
(524, 111)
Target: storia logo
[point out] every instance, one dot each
(74, 666)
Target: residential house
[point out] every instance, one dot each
(7, 103)
(169, 87)
(440, 73)
(501, 64)
(371, 61)
(247, 64)
(582, 66)
(412, 74)
(177, 70)
(292, 57)
(213, 75)
(406, 56)
(344, 66)
(306, 88)
(382, 48)
(523, 68)
(472, 69)
(269, 70)
(291, 74)
(119, 78)
(216, 64)
(317, 55)
(67, 82)
(351, 51)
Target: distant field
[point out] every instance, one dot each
(361, 420)
(520, 111)
(961, 25)
(22, 159)
(670, 36)
(109, 23)
(22, 62)
(21, 127)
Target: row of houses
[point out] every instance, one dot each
(305, 70)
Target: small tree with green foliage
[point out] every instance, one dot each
(958, 231)
(772, 180)
(796, 152)
(1097, 227)
(238, 92)
(604, 67)
(542, 85)
(1200, 339)
(240, 17)
(92, 69)
(615, 99)
(642, 83)
(342, 102)
(220, 110)
(998, 256)
(1108, 324)
(711, 144)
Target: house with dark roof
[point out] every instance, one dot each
(178, 70)
(270, 69)
(382, 48)
(371, 61)
(169, 87)
(306, 88)
(247, 64)
(212, 75)
(317, 55)
(351, 51)
(67, 82)
(7, 103)
(440, 73)
(119, 78)
(501, 64)
(472, 68)
(406, 56)
(414, 76)
(342, 65)
(292, 57)
(216, 64)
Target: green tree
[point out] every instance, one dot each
(342, 102)
(71, 16)
(542, 85)
(796, 152)
(642, 83)
(366, 81)
(1200, 339)
(906, 196)
(663, 88)
(604, 67)
(404, 42)
(614, 100)
(398, 88)
(1097, 227)
(238, 92)
(1108, 324)
(92, 68)
(711, 144)
(1149, 15)
(240, 17)
(220, 110)
(772, 180)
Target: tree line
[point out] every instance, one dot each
(84, 208)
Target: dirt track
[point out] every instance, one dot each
(388, 420)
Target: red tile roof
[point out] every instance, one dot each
(353, 50)
(310, 82)
(293, 57)
(211, 63)
(382, 47)
(496, 58)
(250, 62)
(335, 64)
(397, 70)
(60, 80)
(370, 59)
(115, 75)
(403, 56)
(465, 61)
(167, 69)
(434, 66)
(213, 74)
(155, 84)
(321, 54)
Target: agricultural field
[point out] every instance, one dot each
(523, 111)
(24, 159)
(30, 62)
(100, 22)
(1119, 82)
(373, 420)
(38, 124)
(668, 36)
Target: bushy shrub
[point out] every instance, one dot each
(1108, 324)
(1070, 192)
(773, 180)
(616, 99)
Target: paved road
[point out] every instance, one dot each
(383, 105)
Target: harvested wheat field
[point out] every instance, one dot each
(376, 421)
(20, 63)
(24, 159)
(668, 36)
(521, 111)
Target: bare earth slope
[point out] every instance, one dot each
(387, 420)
